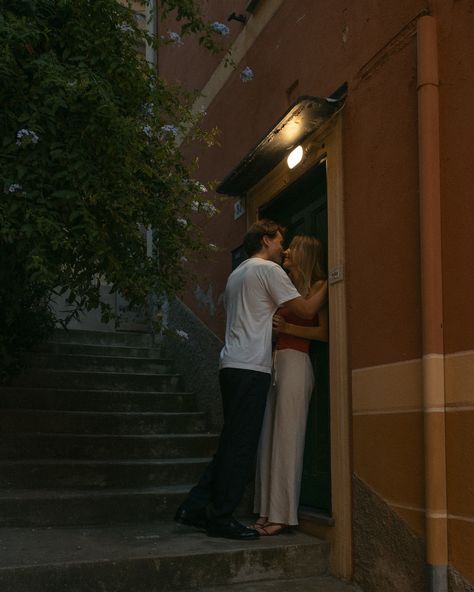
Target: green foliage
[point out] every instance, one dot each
(88, 161)
(26, 317)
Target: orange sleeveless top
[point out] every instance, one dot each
(285, 341)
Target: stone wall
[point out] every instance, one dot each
(196, 357)
(457, 583)
(388, 556)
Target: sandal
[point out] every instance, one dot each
(271, 529)
(260, 523)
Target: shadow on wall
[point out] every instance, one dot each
(196, 357)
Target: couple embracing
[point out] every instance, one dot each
(255, 291)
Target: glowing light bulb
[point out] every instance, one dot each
(295, 157)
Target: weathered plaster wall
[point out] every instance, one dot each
(457, 583)
(312, 48)
(382, 237)
(318, 47)
(196, 359)
(189, 63)
(388, 556)
(456, 25)
(380, 179)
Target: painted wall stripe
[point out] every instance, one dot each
(397, 387)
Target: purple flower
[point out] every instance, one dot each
(14, 188)
(220, 28)
(209, 208)
(175, 38)
(148, 131)
(26, 136)
(125, 28)
(168, 129)
(247, 74)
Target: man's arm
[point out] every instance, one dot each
(306, 309)
(318, 332)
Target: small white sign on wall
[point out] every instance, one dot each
(239, 208)
(336, 274)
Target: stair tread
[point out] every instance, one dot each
(103, 413)
(104, 358)
(311, 584)
(112, 344)
(55, 389)
(80, 391)
(103, 463)
(140, 437)
(35, 371)
(23, 547)
(38, 494)
(76, 336)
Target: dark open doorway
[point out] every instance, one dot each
(302, 208)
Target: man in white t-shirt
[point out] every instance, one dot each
(254, 291)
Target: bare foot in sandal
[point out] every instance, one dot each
(271, 529)
(261, 521)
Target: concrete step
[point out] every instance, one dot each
(91, 446)
(88, 507)
(155, 557)
(119, 364)
(311, 584)
(98, 380)
(95, 400)
(82, 422)
(63, 474)
(128, 339)
(88, 349)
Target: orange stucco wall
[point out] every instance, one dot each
(312, 48)
(189, 63)
(457, 172)
(456, 25)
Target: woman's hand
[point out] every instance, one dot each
(278, 323)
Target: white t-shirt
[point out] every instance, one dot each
(253, 293)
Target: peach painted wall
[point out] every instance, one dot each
(189, 63)
(456, 25)
(314, 47)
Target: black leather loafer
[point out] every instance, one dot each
(231, 530)
(196, 518)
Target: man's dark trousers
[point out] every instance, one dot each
(221, 487)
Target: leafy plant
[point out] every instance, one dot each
(89, 160)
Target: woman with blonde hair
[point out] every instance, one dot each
(280, 457)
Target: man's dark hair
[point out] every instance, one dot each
(255, 234)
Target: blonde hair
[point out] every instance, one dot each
(307, 256)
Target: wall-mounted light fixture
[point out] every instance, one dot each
(295, 157)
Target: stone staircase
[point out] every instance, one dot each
(97, 432)
(98, 446)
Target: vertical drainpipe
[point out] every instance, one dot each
(432, 306)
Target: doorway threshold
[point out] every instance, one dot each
(310, 514)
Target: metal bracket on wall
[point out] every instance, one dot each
(336, 274)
